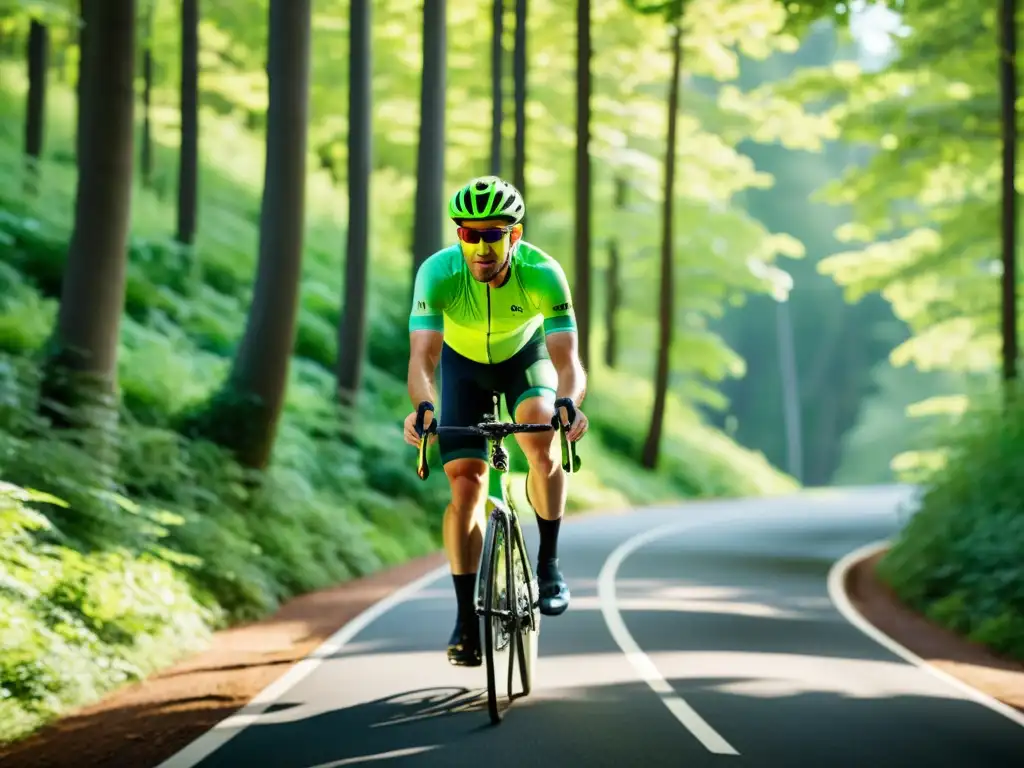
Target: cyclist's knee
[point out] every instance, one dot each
(537, 409)
(541, 448)
(542, 461)
(467, 478)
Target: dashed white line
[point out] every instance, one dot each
(645, 668)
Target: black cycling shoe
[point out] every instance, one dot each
(464, 645)
(554, 592)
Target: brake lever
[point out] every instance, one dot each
(422, 469)
(570, 461)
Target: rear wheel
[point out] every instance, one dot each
(496, 594)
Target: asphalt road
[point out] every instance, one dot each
(709, 640)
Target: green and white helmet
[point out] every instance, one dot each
(487, 197)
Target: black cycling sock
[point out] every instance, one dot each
(548, 530)
(465, 583)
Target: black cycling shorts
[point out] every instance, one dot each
(467, 387)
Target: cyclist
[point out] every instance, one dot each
(496, 312)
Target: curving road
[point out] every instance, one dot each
(699, 635)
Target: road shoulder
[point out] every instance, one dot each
(968, 662)
(146, 722)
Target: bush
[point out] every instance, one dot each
(74, 625)
(958, 560)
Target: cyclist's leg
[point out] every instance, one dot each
(530, 392)
(463, 402)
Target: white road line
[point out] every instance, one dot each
(837, 593)
(641, 662)
(410, 752)
(197, 751)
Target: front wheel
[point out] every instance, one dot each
(496, 597)
(527, 608)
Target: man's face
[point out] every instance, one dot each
(485, 259)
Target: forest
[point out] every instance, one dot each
(782, 224)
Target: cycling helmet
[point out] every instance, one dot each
(487, 197)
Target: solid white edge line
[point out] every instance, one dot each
(220, 734)
(837, 593)
(645, 668)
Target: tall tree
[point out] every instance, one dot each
(84, 33)
(35, 114)
(188, 158)
(146, 154)
(613, 282)
(1008, 99)
(666, 308)
(245, 414)
(352, 337)
(519, 97)
(427, 232)
(581, 276)
(81, 364)
(497, 54)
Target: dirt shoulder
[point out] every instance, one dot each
(146, 722)
(969, 662)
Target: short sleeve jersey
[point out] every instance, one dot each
(488, 324)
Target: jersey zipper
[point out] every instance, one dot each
(488, 344)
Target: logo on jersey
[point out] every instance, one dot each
(516, 308)
(421, 305)
(562, 307)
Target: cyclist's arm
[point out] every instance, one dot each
(424, 354)
(426, 331)
(560, 331)
(572, 379)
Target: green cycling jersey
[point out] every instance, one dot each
(485, 324)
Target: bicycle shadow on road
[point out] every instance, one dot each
(422, 704)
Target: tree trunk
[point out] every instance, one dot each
(427, 232)
(352, 336)
(581, 286)
(1008, 77)
(35, 114)
(790, 381)
(188, 158)
(146, 156)
(666, 309)
(84, 33)
(519, 96)
(613, 286)
(81, 365)
(245, 415)
(497, 51)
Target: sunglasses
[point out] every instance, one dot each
(473, 236)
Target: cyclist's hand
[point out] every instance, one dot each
(578, 428)
(410, 435)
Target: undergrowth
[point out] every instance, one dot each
(958, 560)
(103, 584)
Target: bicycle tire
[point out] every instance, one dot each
(527, 607)
(495, 546)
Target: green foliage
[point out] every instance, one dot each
(926, 205)
(76, 624)
(958, 559)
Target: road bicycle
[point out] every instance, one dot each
(507, 598)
